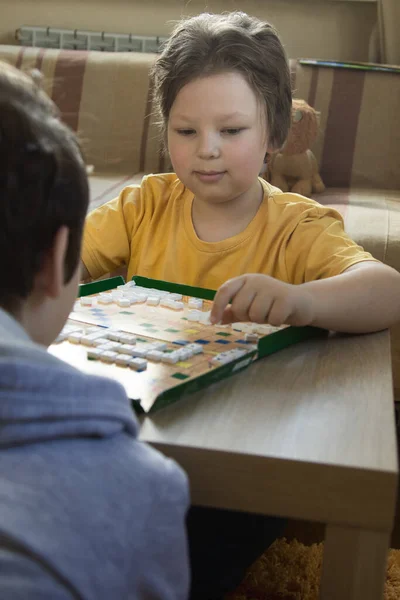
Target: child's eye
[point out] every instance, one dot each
(185, 131)
(232, 130)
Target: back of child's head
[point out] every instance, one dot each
(215, 43)
(43, 186)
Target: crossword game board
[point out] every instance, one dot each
(155, 338)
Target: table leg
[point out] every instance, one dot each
(354, 564)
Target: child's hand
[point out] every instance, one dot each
(262, 299)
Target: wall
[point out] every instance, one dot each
(309, 28)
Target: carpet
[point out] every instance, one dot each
(292, 571)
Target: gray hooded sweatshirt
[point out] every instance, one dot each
(86, 510)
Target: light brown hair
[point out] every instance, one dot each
(213, 43)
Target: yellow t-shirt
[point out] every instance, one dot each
(149, 229)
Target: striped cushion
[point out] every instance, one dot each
(371, 218)
(359, 141)
(106, 98)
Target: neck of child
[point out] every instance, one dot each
(28, 319)
(24, 317)
(218, 220)
(36, 317)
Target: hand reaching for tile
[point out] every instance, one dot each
(262, 299)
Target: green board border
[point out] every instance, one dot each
(202, 381)
(175, 288)
(86, 289)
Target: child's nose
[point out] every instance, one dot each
(209, 146)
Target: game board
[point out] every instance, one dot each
(174, 349)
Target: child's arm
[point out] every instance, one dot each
(364, 298)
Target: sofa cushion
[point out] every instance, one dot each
(359, 140)
(106, 98)
(371, 217)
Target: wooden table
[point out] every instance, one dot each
(307, 433)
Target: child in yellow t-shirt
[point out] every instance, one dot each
(222, 87)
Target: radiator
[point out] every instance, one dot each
(49, 37)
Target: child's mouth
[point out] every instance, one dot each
(209, 176)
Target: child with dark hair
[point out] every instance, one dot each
(86, 510)
(223, 93)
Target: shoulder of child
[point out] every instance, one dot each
(171, 479)
(160, 186)
(151, 190)
(290, 198)
(298, 205)
(176, 485)
(161, 181)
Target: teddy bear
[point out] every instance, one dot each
(294, 168)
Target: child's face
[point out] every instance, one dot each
(217, 137)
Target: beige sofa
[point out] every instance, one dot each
(358, 151)
(106, 97)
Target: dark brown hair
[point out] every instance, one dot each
(213, 43)
(43, 185)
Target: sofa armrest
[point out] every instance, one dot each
(359, 141)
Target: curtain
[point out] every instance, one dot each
(385, 39)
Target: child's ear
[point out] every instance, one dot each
(50, 279)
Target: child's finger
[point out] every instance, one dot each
(242, 302)
(228, 316)
(279, 312)
(260, 307)
(223, 296)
